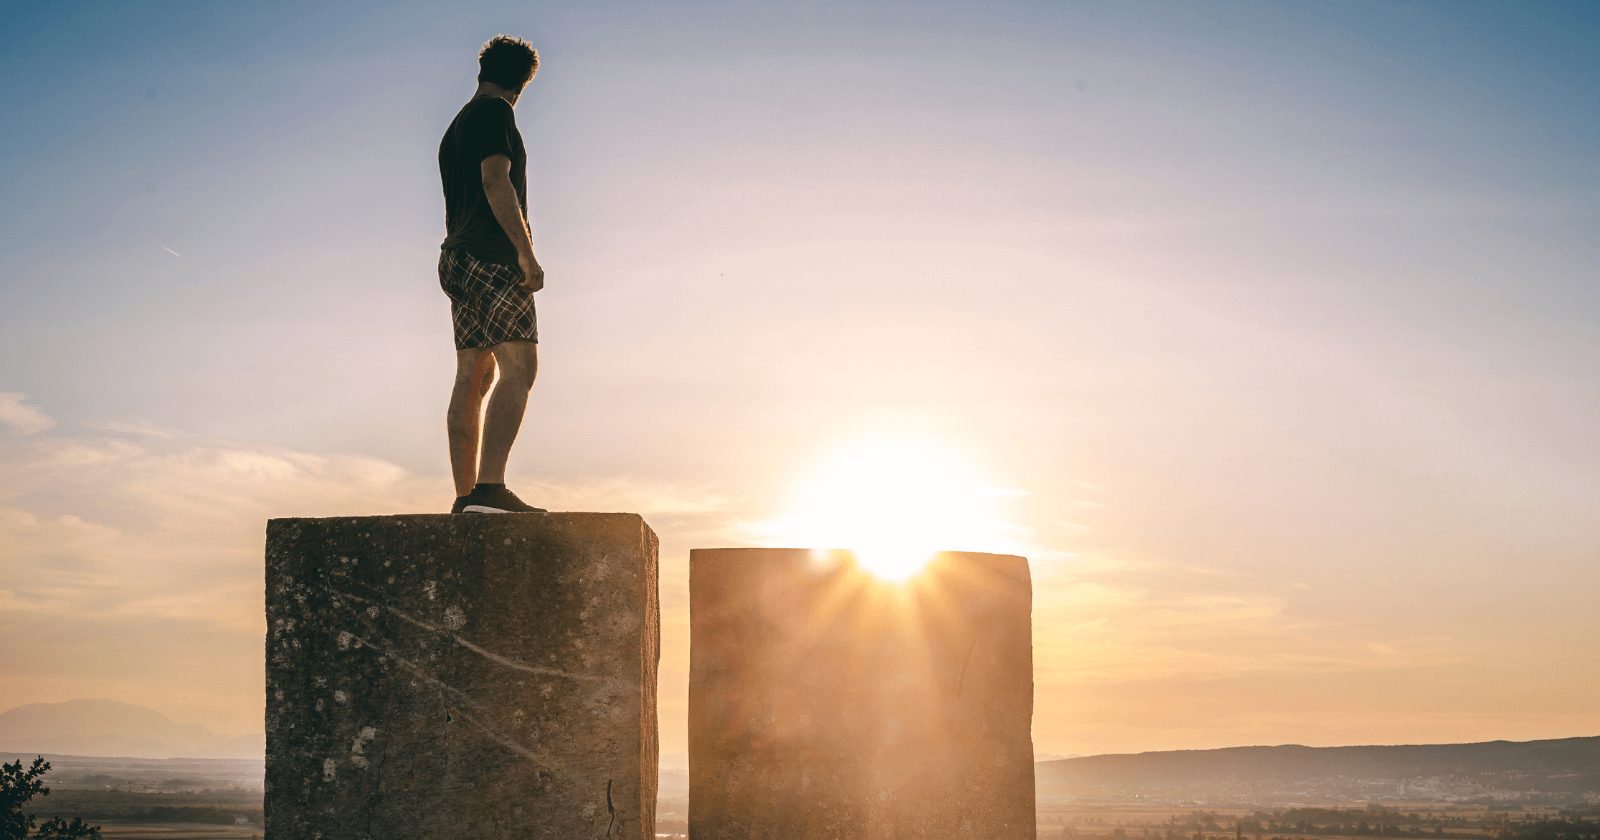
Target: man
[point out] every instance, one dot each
(487, 267)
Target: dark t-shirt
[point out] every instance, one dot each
(483, 127)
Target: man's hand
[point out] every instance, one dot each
(502, 197)
(532, 272)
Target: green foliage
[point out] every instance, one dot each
(180, 814)
(1560, 829)
(57, 828)
(17, 787)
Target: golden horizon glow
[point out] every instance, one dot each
(893, 503)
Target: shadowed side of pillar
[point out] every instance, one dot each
(824, 702)
(461, 676)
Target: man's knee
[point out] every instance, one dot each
(517, 378)
(518, 362)
(470, 364)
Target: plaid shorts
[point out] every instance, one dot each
(487, 303)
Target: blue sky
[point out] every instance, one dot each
(1276, 321)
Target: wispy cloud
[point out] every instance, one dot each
(21, 417)
(171, 527)
(134, 428)
(144, 538)
(1137, 622)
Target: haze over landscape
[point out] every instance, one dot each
(1267, 332)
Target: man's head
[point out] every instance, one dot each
(507, 62)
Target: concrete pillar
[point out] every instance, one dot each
(477, 675)
(826, 704)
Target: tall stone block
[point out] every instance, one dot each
(480, 675)
(825, 704)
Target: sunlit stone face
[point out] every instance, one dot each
(825, 704)
(893, 503)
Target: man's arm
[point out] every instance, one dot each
(496, 173)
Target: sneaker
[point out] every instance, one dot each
(460, 502)
(493, 498)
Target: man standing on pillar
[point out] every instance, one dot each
(487, 267)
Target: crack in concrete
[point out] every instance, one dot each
(500, 738)
(498, 659)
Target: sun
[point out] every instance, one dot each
(894, 504)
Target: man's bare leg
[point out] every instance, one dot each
(519, 363)
(475, 368)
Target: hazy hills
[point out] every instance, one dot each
(1560, 771)
(1553, 771)
(90, 727)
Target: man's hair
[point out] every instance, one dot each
(507, 61)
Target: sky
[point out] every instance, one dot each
(1269, 332)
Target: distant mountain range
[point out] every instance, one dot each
(1561, 771)
(91, 727)
(1565, 770)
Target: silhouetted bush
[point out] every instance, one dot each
(17, 787)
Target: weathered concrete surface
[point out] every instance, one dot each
(484, 676)
(825, 704)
